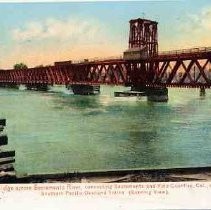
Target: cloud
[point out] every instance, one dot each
(203, 19)
(195, 29)
(73, 29)
(51, 40)
(197, 22)
(190, 30)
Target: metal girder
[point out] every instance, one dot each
(182, 70)
(91, 73)
(192, 72)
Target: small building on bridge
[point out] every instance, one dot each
(135, 54)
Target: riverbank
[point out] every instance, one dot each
(155, 175)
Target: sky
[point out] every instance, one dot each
(41, 33)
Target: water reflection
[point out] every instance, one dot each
(76, 102)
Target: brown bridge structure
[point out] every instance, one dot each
(142, 67)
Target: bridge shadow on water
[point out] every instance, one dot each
(75, 101)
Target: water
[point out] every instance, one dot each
(54, 132)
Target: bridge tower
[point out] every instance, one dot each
(142, 49)
(144, 36)
(143, 40)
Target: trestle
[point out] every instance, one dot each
(190, 71)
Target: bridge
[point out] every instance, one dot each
(142, 66)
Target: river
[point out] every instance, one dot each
(56, 131)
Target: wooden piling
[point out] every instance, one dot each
(7, 158)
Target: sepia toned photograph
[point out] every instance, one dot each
(105, 92)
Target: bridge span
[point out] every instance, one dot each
(141, 66)
(187, 68)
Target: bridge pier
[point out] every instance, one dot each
(202, 91)
(9, 85)
(155, 94)
(158, 94)
(37, 87)
(81, 89)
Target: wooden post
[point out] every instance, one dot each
(3, 122)
(7, 158)
(3, 140)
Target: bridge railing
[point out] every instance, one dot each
(170, 53)
(185, 51)
(98, 59)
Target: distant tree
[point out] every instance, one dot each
(20, 66)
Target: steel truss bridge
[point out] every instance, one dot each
(141, 65)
